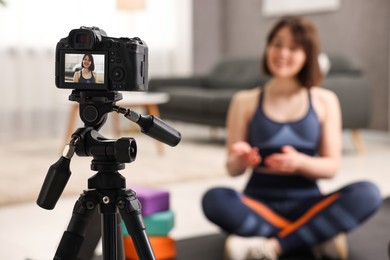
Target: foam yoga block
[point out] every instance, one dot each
(157, 224)
(163, 247)
(152, 200)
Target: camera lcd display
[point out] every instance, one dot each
(84, 69)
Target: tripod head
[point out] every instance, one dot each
(108, 155)
(94, 105)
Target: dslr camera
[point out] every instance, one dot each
(90, 60)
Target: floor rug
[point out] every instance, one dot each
(24, 165)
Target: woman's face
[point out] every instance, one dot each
(86, 62)
(285, 58)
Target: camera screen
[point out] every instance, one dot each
(84, 68)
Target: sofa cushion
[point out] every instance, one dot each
(218, 101)
(236, 73)
(187, 98)
(204, 101)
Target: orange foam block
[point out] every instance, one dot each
(164, 248)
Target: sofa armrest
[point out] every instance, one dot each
(343, 65)
(157, 83)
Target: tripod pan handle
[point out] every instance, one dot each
(56, 179)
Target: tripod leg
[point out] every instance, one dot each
(112, 236)
(80, 239)
(73, 237)
(130, 209)
(91, 238)
(109, 236)
(119, 235)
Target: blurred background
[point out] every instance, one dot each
(31, 106)
(185, 37)
(357, 29)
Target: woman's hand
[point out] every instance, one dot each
(247, 155)
(288, 161)
(242, 156)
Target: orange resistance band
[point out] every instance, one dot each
(309, 214)
(286, 225)
(267, 213)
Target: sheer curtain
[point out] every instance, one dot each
(31, 106)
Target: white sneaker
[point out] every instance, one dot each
(334, 248)
(248, 248)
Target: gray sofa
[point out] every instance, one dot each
(205, 99)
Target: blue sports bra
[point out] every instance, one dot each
(269, 136)
(84, 80)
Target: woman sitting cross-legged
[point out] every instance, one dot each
(289, 134)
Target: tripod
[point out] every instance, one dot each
(106, 191)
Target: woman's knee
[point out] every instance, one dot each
(216, 194)
(365, 193)
(216, 200)
(373, 193)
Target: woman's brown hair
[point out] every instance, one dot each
(305, 35)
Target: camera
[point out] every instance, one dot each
(90, 60)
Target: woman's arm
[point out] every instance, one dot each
(327, 163)
(240, 155)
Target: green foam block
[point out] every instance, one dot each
(157, 224)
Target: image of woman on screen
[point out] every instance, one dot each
(86, 74)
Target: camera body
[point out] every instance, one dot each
(90, 60)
